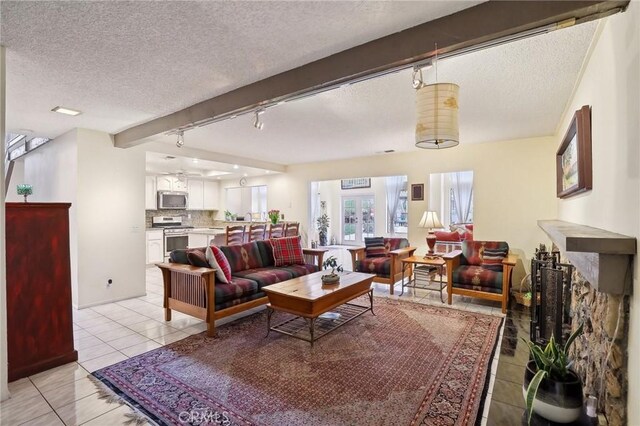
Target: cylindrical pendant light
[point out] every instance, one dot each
(437, 123)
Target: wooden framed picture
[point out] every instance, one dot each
(355, 183)
(417, 191)
(573, 159)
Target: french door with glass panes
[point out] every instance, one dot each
(358, 219)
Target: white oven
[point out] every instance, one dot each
(173, 200)
(175, 239)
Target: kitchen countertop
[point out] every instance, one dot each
(206, 231)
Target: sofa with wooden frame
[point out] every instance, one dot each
(194, 290)
(388, 269)
(480, 269)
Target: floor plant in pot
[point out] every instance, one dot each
(332, 278)
(550, 387)
(323, 228)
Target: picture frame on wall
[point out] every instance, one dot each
(574, 173)
(417, 192)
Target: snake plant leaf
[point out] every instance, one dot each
(573, 337)
(532, 390)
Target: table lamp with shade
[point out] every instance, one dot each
(430, 221)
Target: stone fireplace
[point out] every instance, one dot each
(600, 287)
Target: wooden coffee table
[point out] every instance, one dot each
(308, 298)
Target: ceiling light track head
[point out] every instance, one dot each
(180, 141)
(257, 123)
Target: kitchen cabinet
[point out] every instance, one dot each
(155, 246)
(171, 183)
(196, 194)
(151, 193)
(198, 240)
(211, 195)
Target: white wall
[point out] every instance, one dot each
(111, 220)
(514, 187)
(17, 177)
(611, 85)
(106, 188)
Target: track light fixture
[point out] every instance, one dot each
(180, 140)
(257, 123)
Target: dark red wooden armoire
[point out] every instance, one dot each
(39, 313)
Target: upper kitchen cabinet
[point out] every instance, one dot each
(171, 183)
(203, 195)
(211, 195)
(150, 197)
(196, 194)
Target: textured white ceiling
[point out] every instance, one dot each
(513, 91)
(160, 163)
(122, 63)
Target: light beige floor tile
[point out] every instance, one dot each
(76, 327)
(195, 329)
(63, 395)
(149, 324)
(91, 322)
(59, 376)
(104, 325)
(141, 348)
(94, 352)
(180, 323)
(80, 333)
(116, 333)
(114, 417)
(125, 313)
(103, 361)
(22, 388)
(84, 314)
(170, 338)
(127, 341)
(109, 308)
(16, 410)
(85, 409)
(154, 333)
(87, 342)
(50, 419)
(133, 319)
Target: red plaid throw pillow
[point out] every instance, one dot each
(287, 251)
(218, 261)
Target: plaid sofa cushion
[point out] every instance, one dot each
(374, 247)
(287, 251)
(266, 253)
(473, 251)
(179, 256)
(492, 258)
(236, 289)
(197, 257)
(395, 243)
(264, 276)
(242, 256)
(300, 270)
(234, 302)
(219, 262)
(381, 266)
(477, 278)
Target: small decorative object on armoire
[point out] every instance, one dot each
(25, 189)
(430, 221)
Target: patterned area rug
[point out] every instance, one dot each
(408, 364)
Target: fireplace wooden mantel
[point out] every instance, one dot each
(604, 258)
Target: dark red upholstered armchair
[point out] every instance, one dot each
(481, 269)
(388, 268)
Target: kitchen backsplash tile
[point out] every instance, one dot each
(199, 218)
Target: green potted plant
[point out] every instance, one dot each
(550, 387)
(323, 228)
(274, 216)
(331, 262)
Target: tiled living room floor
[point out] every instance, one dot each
(112, 332)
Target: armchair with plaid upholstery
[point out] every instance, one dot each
(388, 268)
(481, 269)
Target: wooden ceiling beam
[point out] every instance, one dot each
(479, 24)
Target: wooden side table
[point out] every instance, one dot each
(423, 266)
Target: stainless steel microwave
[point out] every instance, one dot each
(173, 200)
